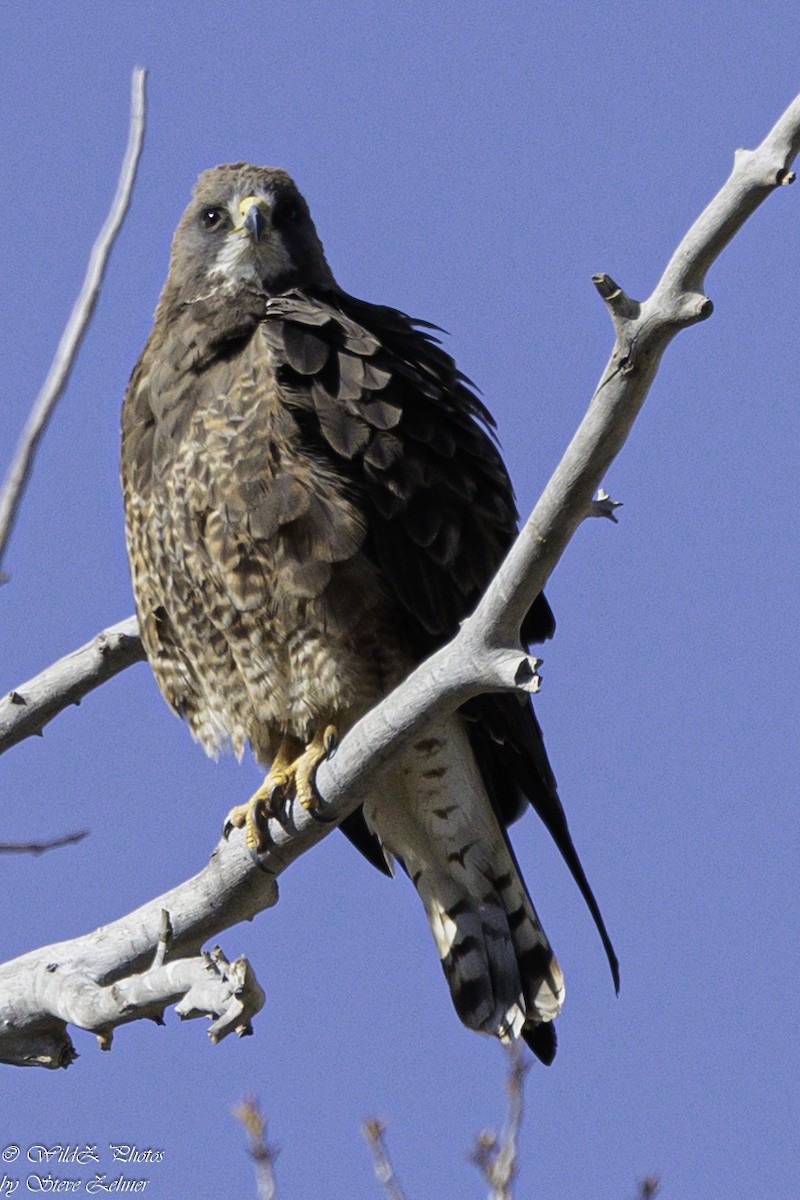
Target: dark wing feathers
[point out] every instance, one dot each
(305, 351)
(417, 444)
(374, 389)
(345, 432)
(509, 748)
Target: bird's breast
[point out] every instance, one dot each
(251, 544)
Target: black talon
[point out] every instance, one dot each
(277, 795)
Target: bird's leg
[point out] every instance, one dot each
(304, 768)
(272, 790)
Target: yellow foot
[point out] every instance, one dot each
(265, 801)
(304, 768)
(291, 774)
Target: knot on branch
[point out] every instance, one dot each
(526, 676)
(692, 307)
(603, 506)
(759, 165)
(48, 1045)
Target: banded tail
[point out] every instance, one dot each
(436, 817)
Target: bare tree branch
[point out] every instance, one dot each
(78, 322)
(643, 331)
(26, 709)
(485, 656)
(157, 964)
(68, 839)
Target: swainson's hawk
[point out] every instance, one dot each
(314, 500)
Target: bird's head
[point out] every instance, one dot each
(246, 227)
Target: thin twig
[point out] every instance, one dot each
(264, 1155)
(497, 1160)
(78, 322)
(374, 1131)
(26, 709)
(40, 847)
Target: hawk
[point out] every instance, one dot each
(314, 500)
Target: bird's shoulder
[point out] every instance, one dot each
(176, 370)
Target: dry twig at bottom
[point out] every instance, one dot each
(374, 1131)
(497, 1158)
(249, 1114)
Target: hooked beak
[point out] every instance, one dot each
(253, 217)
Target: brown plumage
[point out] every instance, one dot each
(314, 500)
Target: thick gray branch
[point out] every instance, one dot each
(69, 994)
(486, 655)
(78, 323)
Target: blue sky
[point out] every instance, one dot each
(472, 164)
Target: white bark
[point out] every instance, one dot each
(485, 656)
(26, 709)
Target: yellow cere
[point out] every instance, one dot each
(248, 202)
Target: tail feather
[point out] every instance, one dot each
(436, 817)
(542, 1041)
(477, 958)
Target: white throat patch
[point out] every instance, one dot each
(240, 260)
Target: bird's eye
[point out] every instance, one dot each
(212, 218)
